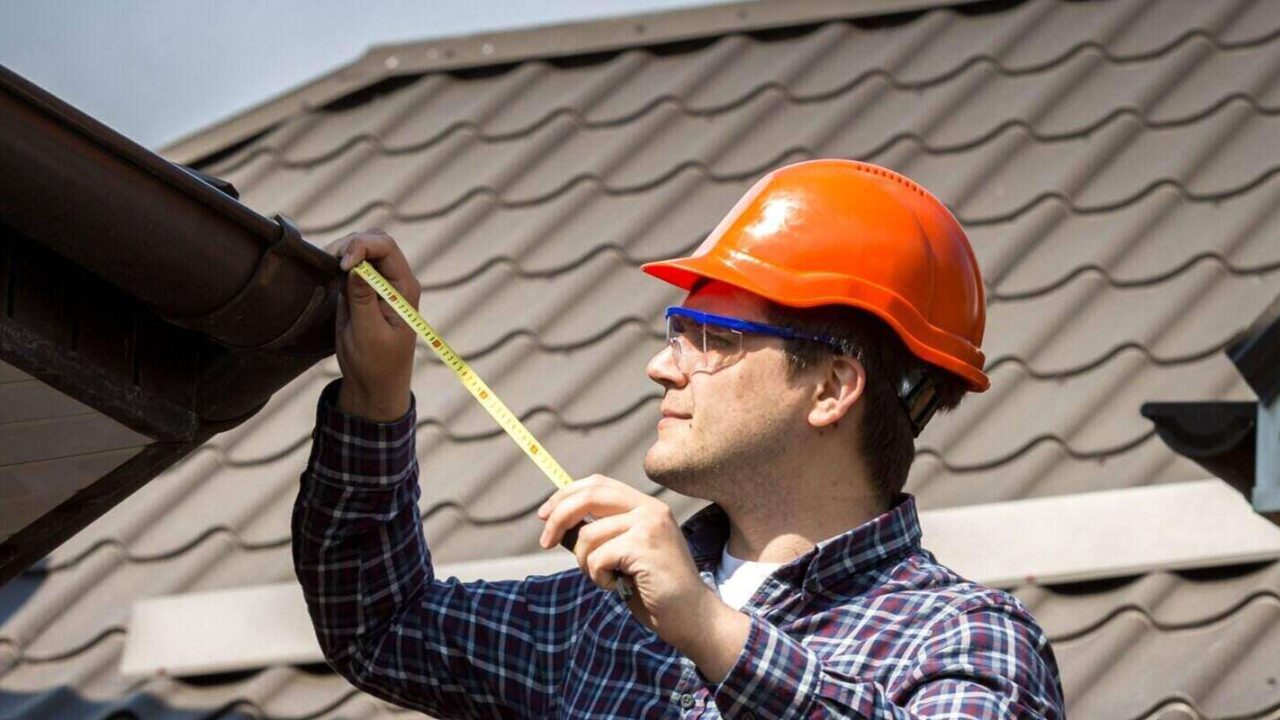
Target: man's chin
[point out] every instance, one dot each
(674, 476)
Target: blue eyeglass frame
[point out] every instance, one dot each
(734, 323)
(917, 394)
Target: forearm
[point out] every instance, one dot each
(715, 637)
(357, 538)
(384, 621)
(978, 669)
(352, 401)
(361, 557)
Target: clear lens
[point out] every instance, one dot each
(699, 347)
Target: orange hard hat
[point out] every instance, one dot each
(842, 232)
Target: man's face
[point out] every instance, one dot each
(727, 432)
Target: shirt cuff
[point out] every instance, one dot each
(357, 453)
(775, 676)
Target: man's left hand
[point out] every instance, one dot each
(638, 535)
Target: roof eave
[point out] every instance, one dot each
(133, 286)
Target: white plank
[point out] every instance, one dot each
(1096, 535)
(209, 632)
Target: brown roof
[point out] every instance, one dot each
(1114, 163)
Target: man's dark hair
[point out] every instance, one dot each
(886, 439)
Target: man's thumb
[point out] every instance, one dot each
(363, 300)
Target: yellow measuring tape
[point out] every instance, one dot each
(472, 382)
(506, 419)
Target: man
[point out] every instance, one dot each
(834, 309)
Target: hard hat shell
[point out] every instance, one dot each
(843, 232)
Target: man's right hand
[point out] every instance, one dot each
(374, 345)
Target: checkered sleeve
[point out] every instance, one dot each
(384, 621)
(985, 662)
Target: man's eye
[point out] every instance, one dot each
(720, 339)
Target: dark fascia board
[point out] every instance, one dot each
(91, 341)
(136, 287)
(385, 62)
(1256, 353)
(35, 541)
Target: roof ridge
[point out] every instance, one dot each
(383, 62)
(1203, 620)
(1119, 449)
(1162, 708)
(375, 141)
(1206, 256)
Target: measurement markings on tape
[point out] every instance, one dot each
(497, 409)
(486, 397)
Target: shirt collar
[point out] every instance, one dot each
(891, 534)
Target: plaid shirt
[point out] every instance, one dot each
(866, 625)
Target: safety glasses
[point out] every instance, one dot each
(703, 342)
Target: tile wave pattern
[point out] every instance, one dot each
(1110, 160)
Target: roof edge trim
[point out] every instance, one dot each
(23, 549)
(382, 62)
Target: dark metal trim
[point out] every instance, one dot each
(114, 396)
(217, 183)
(1256, 353)
(154, 230)
(79, 127)
(38, 539)
(384, 62)
(1218, 436)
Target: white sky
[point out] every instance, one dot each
(156, 70)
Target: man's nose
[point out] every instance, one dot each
(662, 368)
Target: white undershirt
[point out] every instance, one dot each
(737, 580)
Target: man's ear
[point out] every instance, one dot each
(842, 383)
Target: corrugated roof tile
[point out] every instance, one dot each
(1111, 162)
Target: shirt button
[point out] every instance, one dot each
(686, 701)
(812, 585)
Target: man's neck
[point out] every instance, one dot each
(788, 528)
(779, 512)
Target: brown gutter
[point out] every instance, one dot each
(199, 258)
(147, 225)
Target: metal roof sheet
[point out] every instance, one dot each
(1113, 162)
